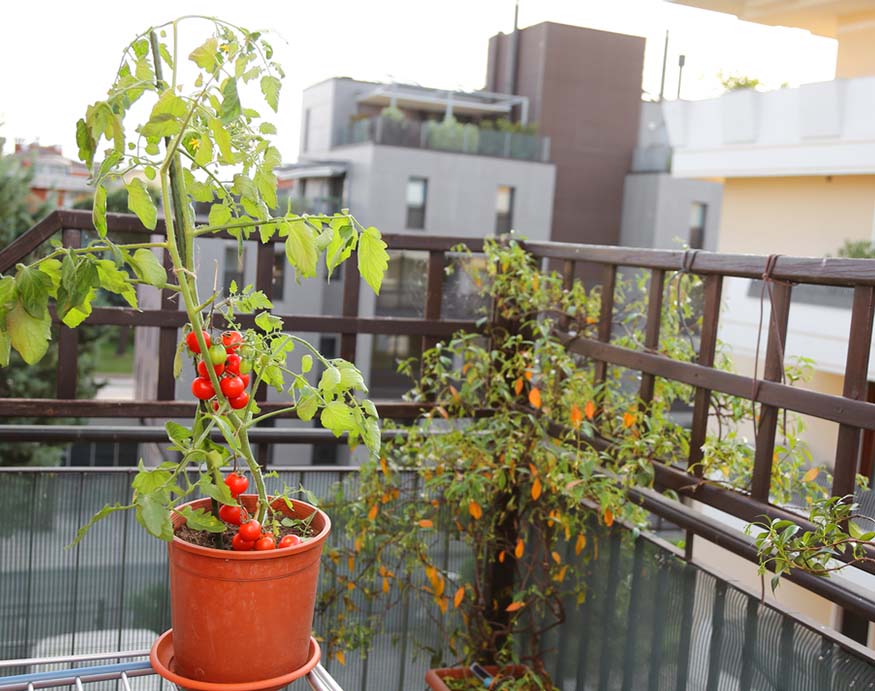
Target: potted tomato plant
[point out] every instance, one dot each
(241, 563)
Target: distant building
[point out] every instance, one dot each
(55, 178)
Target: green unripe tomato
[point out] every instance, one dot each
(245, 367)
(218, 354)
(246, 352)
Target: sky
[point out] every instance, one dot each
(57, 57)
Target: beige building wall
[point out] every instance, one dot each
(802, 216)
(856, 37)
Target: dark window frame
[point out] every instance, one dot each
(416, 214)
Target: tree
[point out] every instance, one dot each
(737, 82)
(20, 380)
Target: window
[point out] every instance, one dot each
(388, 350)
(417, 191)
(504, 209)
(698, 214)
(278, 278)
(305, 144)
(403, 291)
(234, 267)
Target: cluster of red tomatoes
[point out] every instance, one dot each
(232, 370)
(249, 535)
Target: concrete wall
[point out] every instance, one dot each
(330, 104)
(656, 210)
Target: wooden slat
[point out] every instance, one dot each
(707, 349)
(27, 242)
(568, 268)
(826, 406)
(855, 387)
(773, 370)
(606, 317)
(52, 407)
(350, 309)
(167, 336)
(125, 316)
(434, 291)
(68, 339)
(651, 331)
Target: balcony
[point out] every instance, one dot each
(655, 614)
(815, 129)
(447, 136)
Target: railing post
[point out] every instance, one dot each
(651, 332)
(68, 339)
(350, 308)
(434, 291)
(855, 385)
(773, 370)
(606, 317)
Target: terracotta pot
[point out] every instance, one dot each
(244, 616)
(434, 677)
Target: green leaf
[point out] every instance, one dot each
(306, 363)
(337, 417)
(265, 181)
(351, 378)
(330, 380)
(177, 359)
(5, 348)
(140, 202)
(100, 515)
(371, 435)
(301, 248)
(223, 140)
(307, 405)
(116, 281)
(270, 87)
(204, 56)
(220, 492)
(219, 215)
(153, 515)
(177, 433)
(267, 322)
(7, 291)
(342, 243)
(148, 268)
(204, 154)
(370, 408)
(230, 108)
(52, 269)
(201, 519)
(33, 288)
(29, 335)
(267, 128)
(80, 312)
(98, 212)
(86, 143)
(372, 258)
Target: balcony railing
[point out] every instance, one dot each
(443, 136)
(587, 644)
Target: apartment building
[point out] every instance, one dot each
(798, 173)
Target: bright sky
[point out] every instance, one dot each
(59, 56)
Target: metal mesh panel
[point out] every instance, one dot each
(650, 621)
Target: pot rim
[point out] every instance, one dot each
(310, 543)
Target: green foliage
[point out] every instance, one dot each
(735, 82)
(198, 133)
(857, 249)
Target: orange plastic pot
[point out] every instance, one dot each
(244, 616)
(435, 677)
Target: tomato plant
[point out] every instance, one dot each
(237, 484)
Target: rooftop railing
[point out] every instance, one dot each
(448, 136)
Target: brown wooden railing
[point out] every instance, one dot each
(850, 410)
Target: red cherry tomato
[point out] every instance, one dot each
(193, 345)
(202, 369)
(232, 340)
(202, 388)
(232, 364)
(216, 406)
(266, 542)
(237, 483)
(241, 544)
(232, 386)
(240, 401)
(251, 530)
(245, 378)
(231, 514)
(289, 541)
